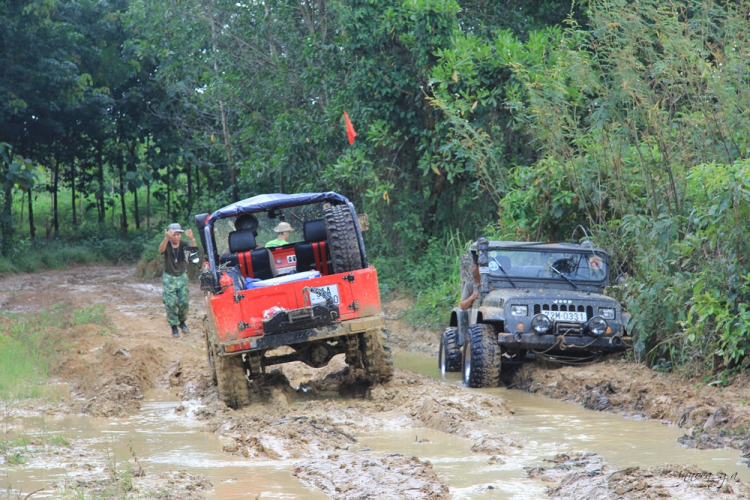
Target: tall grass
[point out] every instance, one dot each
(29, 343)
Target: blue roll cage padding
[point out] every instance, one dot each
(270, 201)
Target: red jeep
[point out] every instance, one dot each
(312, 292)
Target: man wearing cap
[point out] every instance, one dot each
(283, 230)
(175, 295)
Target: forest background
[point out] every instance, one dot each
(508, 119)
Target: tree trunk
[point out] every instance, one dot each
(124, 215)
(169, 199)
(135, 208)
(100, 194)
(189, 172)
(55, 222)
(23, 199)
(7, 223)
(73, 192)
(222, 109)
(32, 228)
(197, 179)
(148, 207)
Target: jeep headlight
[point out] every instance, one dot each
(597, 326)
(541, 323)
(607, 312)
(519, 310)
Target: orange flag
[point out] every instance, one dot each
(349, 129)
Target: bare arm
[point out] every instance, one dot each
(465, 304)
(163, 244)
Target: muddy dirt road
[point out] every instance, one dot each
(138, 417)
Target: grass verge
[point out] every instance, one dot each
(30, 342)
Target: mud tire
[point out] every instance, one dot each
(209, 351)
(230, 378)
(377, 358)
(449, 358)
(481, 357)
(342, 239)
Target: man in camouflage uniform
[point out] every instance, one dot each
(175, 295)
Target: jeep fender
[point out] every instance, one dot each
(492, 314)
(460, 319)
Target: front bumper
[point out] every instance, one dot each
(270, 341)
(534, 342)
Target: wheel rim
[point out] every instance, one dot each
(467, 361)
(441, 358)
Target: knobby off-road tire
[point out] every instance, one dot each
(449, 358)
(228, 373)
(230, 377)
(377, 358)
(481, 357)
(342, 239)
(209, 350)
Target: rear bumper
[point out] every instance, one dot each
(533, 342)
(271, 341)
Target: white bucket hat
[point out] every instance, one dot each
(283, 227)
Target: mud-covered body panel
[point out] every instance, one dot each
(240, 315)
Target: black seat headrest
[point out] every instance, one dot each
(314, 230)
(241, 241)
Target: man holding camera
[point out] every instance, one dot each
(175, 296)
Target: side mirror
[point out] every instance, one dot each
(192, 256)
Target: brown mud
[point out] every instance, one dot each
(712, 417)
(315, 418)
(589, 476)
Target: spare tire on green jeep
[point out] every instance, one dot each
(342, 239)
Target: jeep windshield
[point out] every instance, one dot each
(548, 265)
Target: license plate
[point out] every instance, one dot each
(576, 317)
(320, 297)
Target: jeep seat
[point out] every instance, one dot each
(252, 263)
(314, 253)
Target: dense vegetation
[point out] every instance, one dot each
(504, 118)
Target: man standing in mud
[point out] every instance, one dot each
(175, 295)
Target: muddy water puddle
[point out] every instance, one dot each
(163, 439)
(552, 426)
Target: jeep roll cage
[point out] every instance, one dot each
(267, 203)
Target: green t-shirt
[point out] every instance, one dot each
(174, 259)
(276, 243)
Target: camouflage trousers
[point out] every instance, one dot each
(175, 297)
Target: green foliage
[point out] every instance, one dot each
(639, 119)
(433, 280)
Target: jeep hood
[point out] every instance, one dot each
(499, 297)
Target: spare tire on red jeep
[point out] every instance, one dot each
(342, 239)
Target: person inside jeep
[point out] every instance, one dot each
(469, 291)
(283, 230)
